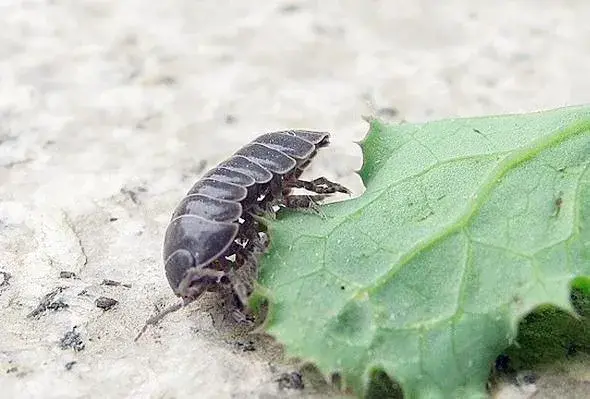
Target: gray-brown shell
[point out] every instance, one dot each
(206, 221)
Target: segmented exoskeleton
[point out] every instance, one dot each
(213, 239)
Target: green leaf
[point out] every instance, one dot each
(466, 226)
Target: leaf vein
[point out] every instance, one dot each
(503, 167)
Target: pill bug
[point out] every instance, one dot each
(213, 239)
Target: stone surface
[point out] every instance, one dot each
(110, 110)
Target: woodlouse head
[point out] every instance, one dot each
(197, 281)
(191, 246)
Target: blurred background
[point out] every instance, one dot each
(110, 110)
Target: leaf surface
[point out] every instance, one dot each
(466, 225)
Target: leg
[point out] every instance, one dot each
(321, 185)
(245, 275)
(248, 230)
(271, 199)
(265, 210)
(307, 202)
(232, 303)
(240, 317)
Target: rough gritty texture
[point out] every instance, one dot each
(110, 110)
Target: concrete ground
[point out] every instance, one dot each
(110, 110)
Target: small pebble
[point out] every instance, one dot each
(66, 274)
(292, 380)
(105, 303)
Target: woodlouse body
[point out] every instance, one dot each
(215, 220)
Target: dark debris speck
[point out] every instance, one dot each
(49, 302)
(292, 380)
(387, 112)
(69, 365)
(114, 283)
(105, 303)
(246, 346)
(529, 378)
(67, 274)
(132, 193)
(4, 280)
(289, 8)
(230, 119)
(57, 305)
(72, 339)
(166, 80)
